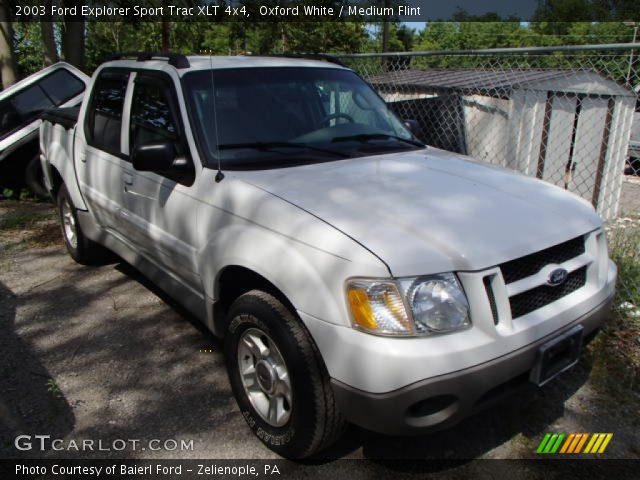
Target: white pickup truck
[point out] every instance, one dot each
(353, 273)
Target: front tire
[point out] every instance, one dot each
(278, 377)
(82, 249)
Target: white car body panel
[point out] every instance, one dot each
(56, 147)
(307, 259)
(433, 211)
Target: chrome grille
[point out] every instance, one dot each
(538, 297)
(528, 265)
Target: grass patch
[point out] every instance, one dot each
(27, 224)
(617, 349)
(53, 388)
(23, 220)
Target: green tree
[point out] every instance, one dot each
(28, 47)
(439, 36)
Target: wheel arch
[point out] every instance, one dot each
(310, 279)
(234, 280)
(57, 160)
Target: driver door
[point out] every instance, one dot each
(159, 209)
(99, 158)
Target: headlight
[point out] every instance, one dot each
(438, 303)
(410, 306)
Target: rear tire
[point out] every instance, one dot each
(82, 249)
(34, 178)
(288, 372)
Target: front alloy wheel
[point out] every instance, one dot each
(278, 377)
(265, 377)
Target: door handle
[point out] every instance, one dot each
(128, 179)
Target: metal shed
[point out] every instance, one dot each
(568, 127)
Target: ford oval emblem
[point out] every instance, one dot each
(557, 277)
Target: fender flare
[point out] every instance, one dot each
(282, 262)
(58, 159)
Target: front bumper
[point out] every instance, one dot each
(440, 402)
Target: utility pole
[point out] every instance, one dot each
(165, 31)
(635, 26)
(385, 28)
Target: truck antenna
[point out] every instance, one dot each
(219, 175)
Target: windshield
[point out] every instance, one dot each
(277, 117)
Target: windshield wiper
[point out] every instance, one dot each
(365, 137)
(271, 145)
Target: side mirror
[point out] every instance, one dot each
(413, 126)
(158, 157)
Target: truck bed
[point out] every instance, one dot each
(57, 136)
(66, 117)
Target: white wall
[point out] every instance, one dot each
(486, 126)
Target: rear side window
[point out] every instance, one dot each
(105, 117)
(26, 105)
(61, 86)
(21, 109)
(9, 118)
(31, 102)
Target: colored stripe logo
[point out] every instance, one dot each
(574, 443)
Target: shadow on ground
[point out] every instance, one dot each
(29, 399)
(126, 363)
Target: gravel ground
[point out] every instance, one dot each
(630, 196)
(99, 353)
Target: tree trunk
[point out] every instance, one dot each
(385, 28)
(48, 39)
(165, 30)
(166, 26)
(73, 36)
(7, 56)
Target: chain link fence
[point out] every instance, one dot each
(567, 115)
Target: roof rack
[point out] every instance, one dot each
(309, 56)
(178, 60)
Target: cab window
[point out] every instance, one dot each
(105, 120)
(152, 119)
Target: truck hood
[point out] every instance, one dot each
(432, 211)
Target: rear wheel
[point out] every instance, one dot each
(82, 249)
(34, 178)
(278, 377)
